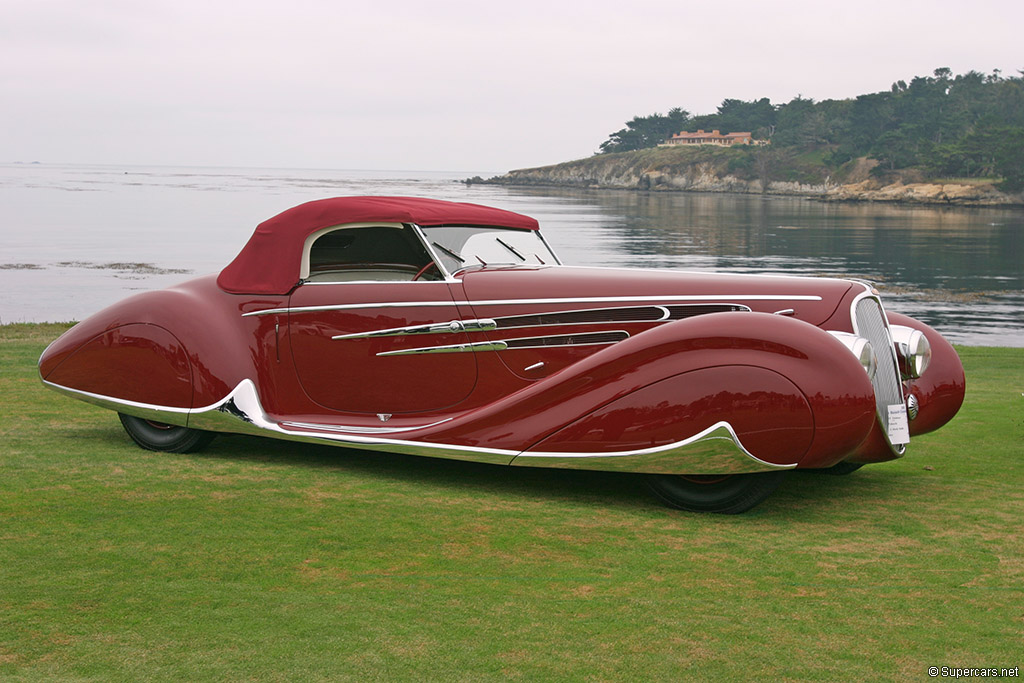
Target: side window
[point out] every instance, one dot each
(359, 254)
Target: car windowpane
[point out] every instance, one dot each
(461, 247)
(367, 253)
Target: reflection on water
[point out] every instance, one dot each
(78, 238)
(960, 270)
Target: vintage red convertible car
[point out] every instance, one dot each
(452, 330)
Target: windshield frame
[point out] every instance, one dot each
(444, 256)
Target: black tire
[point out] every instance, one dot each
(157, 436)
(728, 494)
(839, 469)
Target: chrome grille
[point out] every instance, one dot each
(869, 322)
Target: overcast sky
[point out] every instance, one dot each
(443, 85)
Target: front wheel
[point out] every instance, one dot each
(840, 469)
(157, 436)
(728, 494)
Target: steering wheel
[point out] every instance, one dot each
(423, 270)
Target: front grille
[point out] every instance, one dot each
(869, 322)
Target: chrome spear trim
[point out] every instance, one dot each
(451, 327)
(716, 450)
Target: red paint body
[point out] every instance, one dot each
(792, 393)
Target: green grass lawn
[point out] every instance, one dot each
(267, 560)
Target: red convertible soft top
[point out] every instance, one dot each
(269, 262)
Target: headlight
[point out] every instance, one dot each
(866, 355)
(861, 348)
(912, 349)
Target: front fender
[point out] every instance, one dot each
(795, 391)
(940, 389)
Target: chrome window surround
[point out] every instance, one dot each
(429, 244)
(558, 261)
(304, 267)
(448, 277)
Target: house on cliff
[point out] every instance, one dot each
(713, 138)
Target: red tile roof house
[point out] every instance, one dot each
(713, 138)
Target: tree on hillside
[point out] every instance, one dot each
(750, 117)
(646, 131)
(967, 125)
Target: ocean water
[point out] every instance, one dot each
(74, 239)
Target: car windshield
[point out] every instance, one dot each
(460, 247)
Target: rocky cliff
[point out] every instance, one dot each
(743, 171)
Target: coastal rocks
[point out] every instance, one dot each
(959, 194)
(622, 171)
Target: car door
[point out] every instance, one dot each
(354, 326)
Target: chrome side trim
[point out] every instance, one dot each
(666, 299)
(307, 283)
(166, 414)
(449, 348)
(716, 450)
(241, 412)
(453, 327)
(558, 340)
(353, 429)
(550, 341)
(630, 314)
(627, 314)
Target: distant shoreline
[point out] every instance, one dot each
(686, 170)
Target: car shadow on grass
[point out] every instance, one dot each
(579, 487)
(800, 491)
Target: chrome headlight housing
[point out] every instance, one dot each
(861, 348)
(912, 349)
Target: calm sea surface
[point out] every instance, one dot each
(74, 239)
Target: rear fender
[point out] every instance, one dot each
(140, 364)
(180, 348)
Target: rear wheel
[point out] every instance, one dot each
(157, 436)
(727, 494)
